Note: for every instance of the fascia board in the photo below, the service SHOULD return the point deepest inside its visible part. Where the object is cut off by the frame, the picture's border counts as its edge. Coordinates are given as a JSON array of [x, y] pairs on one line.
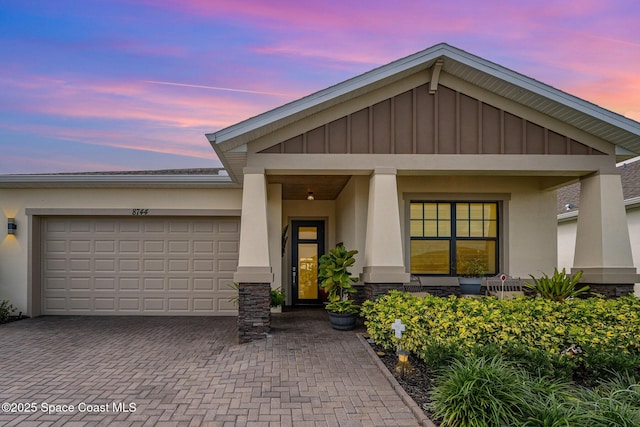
[[79, 180]]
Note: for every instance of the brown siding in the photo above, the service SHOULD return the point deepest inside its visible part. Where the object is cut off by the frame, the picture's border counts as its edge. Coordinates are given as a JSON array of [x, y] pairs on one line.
[[360, 132], [425, 121], [490, 130], [338, 136], [447, 121], [403, 123], [315, 141], [417, 122], [469, 128], [382, 127]]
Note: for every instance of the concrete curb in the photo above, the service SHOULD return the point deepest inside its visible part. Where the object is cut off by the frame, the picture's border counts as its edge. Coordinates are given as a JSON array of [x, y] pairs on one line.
[[415, 409]]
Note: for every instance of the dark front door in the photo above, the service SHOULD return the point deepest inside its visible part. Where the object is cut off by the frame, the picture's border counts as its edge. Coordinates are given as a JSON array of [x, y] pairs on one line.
[[307, 245]]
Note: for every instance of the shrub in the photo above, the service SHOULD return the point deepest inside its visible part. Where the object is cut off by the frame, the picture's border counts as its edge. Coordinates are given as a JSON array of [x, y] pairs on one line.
[[277, 297], [5, 310], [558, 287], [535, 332], [479, 392], [616, 408]]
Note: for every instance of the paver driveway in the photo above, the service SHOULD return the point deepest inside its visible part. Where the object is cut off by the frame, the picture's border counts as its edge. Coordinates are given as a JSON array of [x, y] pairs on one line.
[[191, 371]]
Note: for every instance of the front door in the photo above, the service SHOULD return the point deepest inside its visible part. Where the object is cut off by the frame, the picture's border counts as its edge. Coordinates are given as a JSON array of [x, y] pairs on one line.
[[307, 245]]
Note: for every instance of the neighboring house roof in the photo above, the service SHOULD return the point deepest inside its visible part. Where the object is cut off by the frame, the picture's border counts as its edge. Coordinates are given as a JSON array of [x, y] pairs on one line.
[[166, 178], [569, 196], [230, 143]]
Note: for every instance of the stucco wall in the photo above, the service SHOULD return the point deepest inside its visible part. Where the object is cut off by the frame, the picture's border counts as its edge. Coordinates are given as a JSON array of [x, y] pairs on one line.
[[351, 216], [529, 226], [14, 250]]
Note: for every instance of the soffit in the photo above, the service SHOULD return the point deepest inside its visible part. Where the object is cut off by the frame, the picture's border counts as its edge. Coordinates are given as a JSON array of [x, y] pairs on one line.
[[297, 187]]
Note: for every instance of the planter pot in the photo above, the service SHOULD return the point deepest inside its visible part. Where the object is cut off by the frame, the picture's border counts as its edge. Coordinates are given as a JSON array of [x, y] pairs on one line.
[[470, 285], [342, 321]]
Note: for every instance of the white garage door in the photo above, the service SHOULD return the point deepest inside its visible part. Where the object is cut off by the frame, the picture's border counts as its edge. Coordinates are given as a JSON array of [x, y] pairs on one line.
[[139, 265]]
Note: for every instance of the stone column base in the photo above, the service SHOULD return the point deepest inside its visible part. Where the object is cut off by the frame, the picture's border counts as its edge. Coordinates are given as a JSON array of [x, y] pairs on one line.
[[374, 290], [609, 290], [609, 281], [254, 311]]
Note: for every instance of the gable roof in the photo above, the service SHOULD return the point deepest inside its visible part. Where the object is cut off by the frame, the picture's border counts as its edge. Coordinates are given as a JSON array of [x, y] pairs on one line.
[[588, 117]]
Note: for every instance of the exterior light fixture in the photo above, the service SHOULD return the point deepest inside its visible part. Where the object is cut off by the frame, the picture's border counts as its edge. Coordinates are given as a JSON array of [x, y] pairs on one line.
[[310, 196], [12, 227]]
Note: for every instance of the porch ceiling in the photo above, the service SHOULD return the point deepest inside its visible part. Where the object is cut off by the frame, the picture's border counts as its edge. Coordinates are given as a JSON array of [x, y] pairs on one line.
[[297, 187]]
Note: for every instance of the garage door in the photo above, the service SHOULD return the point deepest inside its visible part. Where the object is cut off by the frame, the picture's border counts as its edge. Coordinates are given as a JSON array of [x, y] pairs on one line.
[[139, 265]]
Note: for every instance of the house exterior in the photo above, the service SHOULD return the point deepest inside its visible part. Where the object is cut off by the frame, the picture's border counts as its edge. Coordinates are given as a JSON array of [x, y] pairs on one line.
[[568, 209], [421, 165]]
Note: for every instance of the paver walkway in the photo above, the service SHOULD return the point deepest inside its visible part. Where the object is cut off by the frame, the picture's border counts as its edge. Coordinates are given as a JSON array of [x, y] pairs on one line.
[[191, 371]]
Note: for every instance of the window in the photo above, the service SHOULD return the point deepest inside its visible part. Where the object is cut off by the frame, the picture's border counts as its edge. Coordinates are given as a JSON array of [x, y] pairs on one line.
[[445, 236]]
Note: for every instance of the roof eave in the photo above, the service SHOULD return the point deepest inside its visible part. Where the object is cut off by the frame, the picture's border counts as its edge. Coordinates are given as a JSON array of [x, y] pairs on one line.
[[119, 181]]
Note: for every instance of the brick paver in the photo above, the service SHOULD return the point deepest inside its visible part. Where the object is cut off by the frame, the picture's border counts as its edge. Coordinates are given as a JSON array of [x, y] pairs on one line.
[[144, 371]]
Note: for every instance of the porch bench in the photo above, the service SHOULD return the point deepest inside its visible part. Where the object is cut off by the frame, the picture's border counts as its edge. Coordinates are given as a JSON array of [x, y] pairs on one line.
[[513, 287], [414, 287], [436, 286]]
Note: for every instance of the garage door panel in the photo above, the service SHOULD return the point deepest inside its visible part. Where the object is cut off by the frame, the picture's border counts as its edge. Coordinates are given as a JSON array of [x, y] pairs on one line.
[[56, 246], [105, 284], [80, 265], [80, 283], [139, 266], [178, 247], [129, 246], [105, 246], [80, 226], [56, 264]]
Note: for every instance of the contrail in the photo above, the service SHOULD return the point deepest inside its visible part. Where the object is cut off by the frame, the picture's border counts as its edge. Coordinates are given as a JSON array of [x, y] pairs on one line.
[[226, 89]]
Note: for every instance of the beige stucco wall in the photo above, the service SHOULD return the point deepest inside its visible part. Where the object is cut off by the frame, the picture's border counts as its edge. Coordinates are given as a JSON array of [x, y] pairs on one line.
[[351, 215], [14, 250], [529, 228]]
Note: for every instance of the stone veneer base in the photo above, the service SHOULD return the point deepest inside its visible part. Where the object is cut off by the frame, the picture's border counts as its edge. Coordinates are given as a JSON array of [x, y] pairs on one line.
[[254, 311]]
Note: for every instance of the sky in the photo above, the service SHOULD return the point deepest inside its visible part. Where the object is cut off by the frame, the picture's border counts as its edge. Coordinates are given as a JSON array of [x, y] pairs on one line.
[[111, 85]]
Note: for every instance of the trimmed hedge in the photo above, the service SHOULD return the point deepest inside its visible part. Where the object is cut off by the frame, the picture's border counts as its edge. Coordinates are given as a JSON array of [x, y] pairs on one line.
[[604, 329]]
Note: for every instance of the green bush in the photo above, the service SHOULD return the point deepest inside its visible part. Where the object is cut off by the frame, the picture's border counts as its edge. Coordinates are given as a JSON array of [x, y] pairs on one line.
[[488, 391], [5, 310], [479, 392], [278, 297], [533, 332]]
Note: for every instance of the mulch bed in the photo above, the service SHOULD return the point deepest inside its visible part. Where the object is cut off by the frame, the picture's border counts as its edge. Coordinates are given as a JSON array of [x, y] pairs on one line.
[[417, 385]]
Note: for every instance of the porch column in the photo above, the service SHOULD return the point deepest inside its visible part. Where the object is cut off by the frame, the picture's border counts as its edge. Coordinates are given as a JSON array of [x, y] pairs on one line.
[[254, 274], [383, 261], [603, 248]]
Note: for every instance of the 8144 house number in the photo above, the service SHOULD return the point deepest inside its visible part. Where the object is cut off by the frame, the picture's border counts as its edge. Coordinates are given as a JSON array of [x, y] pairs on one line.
[[136, 212]]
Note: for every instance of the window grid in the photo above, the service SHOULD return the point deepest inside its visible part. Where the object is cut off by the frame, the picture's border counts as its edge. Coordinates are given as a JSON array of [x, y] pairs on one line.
[[456, 223]]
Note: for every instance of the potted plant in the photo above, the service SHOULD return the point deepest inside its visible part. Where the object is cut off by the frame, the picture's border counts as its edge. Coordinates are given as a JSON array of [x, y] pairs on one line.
[[336, 280], [471, 274], [277, 297]]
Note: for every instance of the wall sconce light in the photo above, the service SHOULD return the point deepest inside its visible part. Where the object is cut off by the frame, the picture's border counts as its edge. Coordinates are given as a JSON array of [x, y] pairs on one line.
[[12, 227], [310, 196]]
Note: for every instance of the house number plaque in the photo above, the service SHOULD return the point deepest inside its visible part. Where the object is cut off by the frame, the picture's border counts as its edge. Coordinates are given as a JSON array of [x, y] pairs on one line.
[[138, 212]]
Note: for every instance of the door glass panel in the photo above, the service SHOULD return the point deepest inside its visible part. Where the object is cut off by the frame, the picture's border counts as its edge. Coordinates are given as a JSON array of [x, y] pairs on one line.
[[308, 270], [308, 233]]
